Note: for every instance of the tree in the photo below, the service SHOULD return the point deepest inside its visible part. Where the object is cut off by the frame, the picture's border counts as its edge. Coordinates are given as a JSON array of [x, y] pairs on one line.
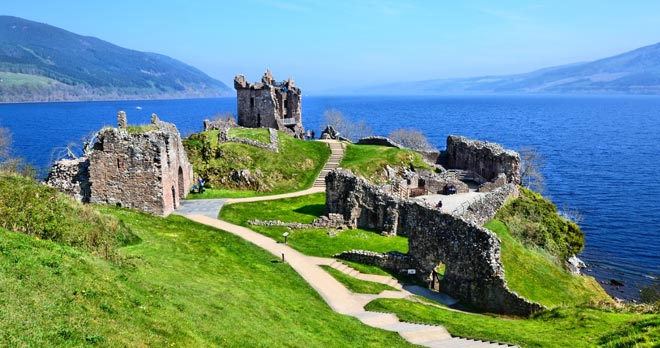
[[411, 138], [5, 144], [531, 165], [346, 128]]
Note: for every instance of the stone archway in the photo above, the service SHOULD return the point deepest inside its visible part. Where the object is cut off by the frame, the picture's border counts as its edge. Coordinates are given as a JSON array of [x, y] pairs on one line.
[[181, 184]]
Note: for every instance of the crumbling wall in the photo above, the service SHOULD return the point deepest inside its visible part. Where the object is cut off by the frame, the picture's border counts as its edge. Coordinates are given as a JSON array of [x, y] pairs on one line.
[[269, 104], [482, 209], [484, 158], [148, 170], [71, 176], [471, 253]]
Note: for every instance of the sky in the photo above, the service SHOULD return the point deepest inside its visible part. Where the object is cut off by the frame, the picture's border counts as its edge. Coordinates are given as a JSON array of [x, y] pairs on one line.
[[328, 45]]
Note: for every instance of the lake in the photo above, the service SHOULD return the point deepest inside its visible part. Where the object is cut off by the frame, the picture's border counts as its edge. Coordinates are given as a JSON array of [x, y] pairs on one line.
[[602, 154]]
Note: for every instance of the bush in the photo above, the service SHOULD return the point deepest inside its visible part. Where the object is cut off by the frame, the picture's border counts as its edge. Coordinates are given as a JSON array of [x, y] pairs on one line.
[[345, 127], [534, 221], [412, 139]]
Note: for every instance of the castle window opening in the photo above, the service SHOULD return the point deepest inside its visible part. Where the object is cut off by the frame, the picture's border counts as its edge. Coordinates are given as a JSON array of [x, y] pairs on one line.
[[173, 198], [251, 102]]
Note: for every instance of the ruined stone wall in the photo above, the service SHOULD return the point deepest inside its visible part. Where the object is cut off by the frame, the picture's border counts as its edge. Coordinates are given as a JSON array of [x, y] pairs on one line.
[[148, 171], [268, 104], [380, 141], [484, 158], [394, 261], [482, 209], [145, 171], [470, 253], [71, 176]]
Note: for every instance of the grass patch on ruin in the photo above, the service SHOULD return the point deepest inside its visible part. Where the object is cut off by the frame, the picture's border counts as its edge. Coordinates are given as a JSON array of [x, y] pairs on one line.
[[185, 285], [239, 170], [140, 128], [314, 242], [536, 275], [370, 161], [557, 328], [357, 285], [258, 134]]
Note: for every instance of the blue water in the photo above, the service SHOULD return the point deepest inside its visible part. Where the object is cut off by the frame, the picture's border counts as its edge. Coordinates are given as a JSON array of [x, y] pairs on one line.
[[602, 153]]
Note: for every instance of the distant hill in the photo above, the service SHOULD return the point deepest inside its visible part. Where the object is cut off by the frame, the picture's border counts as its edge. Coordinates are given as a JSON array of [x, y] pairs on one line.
[[633, 72], [39, 62]]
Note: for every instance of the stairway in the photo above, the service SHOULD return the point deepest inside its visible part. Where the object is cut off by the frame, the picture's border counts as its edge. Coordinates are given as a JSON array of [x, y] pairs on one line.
[[337, 149], [350, 271], [425, 335]]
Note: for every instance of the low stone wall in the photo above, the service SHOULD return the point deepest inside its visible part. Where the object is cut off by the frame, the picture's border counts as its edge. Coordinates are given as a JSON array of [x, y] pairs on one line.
[[219, 124], [380, 141], [394, 261], [330, 221], [274, 146], [484, 208], [470, 253]]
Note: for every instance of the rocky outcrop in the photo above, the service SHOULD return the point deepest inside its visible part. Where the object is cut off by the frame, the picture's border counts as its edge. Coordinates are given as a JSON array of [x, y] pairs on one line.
[[71, 176], [470, 253]]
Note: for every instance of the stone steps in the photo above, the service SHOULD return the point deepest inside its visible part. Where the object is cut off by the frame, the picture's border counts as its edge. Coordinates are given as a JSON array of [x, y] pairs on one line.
[[333, 162], [352, 272]]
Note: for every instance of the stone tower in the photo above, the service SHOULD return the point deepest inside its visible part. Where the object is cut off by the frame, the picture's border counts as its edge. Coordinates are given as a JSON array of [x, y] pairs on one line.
[[269, 104]]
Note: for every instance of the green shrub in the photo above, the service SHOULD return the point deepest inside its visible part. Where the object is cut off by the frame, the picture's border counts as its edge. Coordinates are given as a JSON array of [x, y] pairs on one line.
[[534, 221]]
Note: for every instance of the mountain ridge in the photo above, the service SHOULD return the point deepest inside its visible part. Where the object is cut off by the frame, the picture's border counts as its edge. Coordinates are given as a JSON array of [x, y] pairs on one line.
[[632, 72], [40, 62]]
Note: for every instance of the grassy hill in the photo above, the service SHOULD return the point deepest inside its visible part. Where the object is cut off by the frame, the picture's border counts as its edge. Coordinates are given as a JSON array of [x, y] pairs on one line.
[[39, 62], [293, 168], [370, 161], [177, 284]]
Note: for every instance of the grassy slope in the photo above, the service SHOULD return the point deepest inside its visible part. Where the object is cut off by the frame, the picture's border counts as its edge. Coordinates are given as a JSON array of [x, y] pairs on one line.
[[258, 134], [14, 79], [558, 328], [315, 242], [294, 168], [357, 285], [534, 274], [185, 285], [369, 161]]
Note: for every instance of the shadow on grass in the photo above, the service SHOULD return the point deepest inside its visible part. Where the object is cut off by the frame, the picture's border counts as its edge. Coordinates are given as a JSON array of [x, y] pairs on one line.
[[312, 209]]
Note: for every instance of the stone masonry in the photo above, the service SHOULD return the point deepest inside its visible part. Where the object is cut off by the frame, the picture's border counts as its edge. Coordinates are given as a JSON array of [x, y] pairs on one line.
[[145, 170], [269, 104], [483, 158], [470, 253]]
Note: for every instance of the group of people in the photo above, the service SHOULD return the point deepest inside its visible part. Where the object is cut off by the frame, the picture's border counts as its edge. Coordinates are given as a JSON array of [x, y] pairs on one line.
[[310, 135]]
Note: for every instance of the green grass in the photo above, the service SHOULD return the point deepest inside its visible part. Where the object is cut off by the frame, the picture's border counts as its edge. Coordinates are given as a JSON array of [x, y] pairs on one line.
[[558, 328], [367, 269], [140, 128], [370, 161], [185, 285], [357, 285], [14, 79], [315, 242], [40, 211], [258, 134], [535, 275], [294, 168]]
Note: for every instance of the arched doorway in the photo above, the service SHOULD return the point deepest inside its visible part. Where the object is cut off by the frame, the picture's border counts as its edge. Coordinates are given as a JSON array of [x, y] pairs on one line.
[[182, 188], [436, 277]]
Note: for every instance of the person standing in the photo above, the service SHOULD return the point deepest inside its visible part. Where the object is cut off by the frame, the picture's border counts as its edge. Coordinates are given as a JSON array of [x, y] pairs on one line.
[[313, 135], [201, 184], [309, 135]]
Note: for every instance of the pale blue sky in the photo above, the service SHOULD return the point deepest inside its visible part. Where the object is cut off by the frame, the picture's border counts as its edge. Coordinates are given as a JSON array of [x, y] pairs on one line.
[[326, 45]]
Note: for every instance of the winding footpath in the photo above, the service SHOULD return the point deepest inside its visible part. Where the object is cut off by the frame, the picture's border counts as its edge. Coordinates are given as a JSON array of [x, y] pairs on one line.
[[335, 294]]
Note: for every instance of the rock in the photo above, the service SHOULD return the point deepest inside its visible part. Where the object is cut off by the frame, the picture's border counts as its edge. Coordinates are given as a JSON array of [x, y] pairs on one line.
[[575, 265], [615, 282]]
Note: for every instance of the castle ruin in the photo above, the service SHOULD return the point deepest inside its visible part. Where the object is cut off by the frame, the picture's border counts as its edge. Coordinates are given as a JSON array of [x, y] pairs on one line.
[[145, 169], [269, 104]]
